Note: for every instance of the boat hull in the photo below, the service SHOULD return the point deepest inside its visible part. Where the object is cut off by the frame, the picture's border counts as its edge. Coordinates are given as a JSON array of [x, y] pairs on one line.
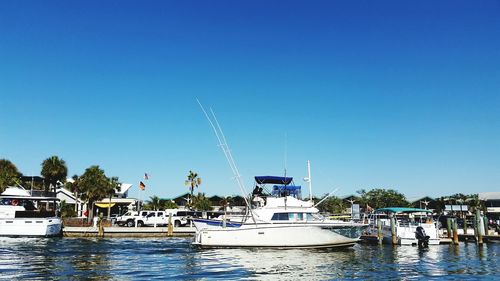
[[406, 234], [32, 227], [278, 236]]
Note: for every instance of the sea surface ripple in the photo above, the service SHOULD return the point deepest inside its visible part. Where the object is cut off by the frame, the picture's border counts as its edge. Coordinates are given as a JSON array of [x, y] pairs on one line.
[[176, 259]]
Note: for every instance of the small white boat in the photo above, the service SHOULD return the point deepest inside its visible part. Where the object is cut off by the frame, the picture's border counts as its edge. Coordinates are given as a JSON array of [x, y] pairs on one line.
[[413, 226], [279, 219], [19, 215]]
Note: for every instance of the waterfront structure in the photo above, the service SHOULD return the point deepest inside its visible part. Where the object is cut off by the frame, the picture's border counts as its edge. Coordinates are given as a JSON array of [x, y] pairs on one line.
[[277, 218], [22, 214], [492, 204]]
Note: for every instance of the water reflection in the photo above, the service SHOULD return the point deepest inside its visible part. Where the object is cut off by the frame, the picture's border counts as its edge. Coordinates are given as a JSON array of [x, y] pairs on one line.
[[176, 259]]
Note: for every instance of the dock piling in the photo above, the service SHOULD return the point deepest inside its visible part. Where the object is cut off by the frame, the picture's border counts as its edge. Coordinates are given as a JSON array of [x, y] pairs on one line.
[[455, 232], [393, 230], [380, 237], [449, 226], [170, 228]]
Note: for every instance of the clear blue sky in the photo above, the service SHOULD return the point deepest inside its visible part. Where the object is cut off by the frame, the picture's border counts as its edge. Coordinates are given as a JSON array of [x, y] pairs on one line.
[[377, 94]]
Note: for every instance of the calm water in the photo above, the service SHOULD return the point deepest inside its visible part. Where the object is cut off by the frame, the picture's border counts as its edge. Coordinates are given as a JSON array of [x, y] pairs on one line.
[[174, 258]]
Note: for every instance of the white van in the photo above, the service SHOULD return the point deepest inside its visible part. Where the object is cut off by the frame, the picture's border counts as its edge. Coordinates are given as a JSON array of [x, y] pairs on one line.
[[160, 218]]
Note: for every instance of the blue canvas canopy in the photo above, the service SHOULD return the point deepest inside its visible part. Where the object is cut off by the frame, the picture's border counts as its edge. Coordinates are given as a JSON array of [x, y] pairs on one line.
[[292, 190], [273, 180], [402, 210]]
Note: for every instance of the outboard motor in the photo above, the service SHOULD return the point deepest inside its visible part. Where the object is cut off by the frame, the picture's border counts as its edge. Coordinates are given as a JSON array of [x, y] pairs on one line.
[[423, 239]]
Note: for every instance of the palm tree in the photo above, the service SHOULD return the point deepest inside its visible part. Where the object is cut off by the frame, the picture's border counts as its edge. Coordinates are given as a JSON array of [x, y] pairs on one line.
[[154, 202], [192, 181], [94, 186], [8, 174], [74, 186], [54, 169], [202, 203], [224, 203], [112, 188]]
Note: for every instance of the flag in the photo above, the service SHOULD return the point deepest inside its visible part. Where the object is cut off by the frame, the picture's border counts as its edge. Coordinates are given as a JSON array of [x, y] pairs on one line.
[[146, 176], [142, 186]]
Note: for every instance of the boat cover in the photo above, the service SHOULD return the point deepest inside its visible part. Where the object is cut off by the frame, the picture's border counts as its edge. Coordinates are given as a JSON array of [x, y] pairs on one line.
[[402, 210], [292, 190], [273, 180]]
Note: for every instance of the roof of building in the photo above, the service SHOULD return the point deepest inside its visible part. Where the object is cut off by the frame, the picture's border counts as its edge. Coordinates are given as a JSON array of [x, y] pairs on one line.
[[489, 195]]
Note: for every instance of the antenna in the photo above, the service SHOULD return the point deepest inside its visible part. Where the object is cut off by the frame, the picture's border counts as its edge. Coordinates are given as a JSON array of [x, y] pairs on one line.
[[286, 150], [308, 179], [225, 149]]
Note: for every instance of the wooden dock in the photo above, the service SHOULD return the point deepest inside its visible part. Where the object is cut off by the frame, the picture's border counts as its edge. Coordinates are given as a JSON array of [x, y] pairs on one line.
[[72, 231]]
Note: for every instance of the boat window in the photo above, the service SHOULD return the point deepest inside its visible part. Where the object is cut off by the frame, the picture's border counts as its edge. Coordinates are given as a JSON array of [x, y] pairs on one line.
[[160, 214], [300, 216], [309, 217], [280, 217]]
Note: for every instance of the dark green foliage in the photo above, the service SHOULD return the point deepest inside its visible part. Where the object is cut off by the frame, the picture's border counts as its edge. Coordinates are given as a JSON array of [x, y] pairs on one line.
[[192, 182], [382, 198], [9, 174], [201, 203], [333, 205], [67, 211], [54, 170]]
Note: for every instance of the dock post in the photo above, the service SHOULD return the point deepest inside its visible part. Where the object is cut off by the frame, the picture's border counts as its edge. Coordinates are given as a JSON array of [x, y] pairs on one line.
[[449, 227], [480, 227], [485, 220], [170, 228], [465, 225], [380, 237], [393, 230], [455, 232]]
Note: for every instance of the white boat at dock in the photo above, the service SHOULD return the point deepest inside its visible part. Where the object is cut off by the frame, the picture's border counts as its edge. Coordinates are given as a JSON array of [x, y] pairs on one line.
[[278, 219], [19, 215], [412, 226]]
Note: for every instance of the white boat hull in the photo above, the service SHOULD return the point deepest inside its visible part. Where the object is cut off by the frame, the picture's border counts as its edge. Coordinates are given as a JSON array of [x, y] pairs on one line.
[[278, 236], [406, 234], [44, 227]]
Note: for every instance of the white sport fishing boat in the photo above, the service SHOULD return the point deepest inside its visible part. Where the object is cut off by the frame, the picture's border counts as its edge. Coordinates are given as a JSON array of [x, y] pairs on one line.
[[277, 219], [19, 215]]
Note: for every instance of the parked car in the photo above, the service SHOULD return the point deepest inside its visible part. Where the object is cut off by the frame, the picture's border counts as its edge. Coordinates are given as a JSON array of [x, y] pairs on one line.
[[130, 218]]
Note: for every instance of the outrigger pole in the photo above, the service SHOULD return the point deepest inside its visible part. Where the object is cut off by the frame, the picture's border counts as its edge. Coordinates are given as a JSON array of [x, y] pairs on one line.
[[227, 152]]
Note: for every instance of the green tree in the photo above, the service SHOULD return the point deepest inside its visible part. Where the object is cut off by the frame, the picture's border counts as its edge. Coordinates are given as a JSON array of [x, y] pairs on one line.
[[54, 170], [382, 198], [154, 203], [167, 204], [94, 186], [225, 202], [202, 203], [66, 210], [74, 186], [332, 205], [112, 188], [8, 174], [192, 182]]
